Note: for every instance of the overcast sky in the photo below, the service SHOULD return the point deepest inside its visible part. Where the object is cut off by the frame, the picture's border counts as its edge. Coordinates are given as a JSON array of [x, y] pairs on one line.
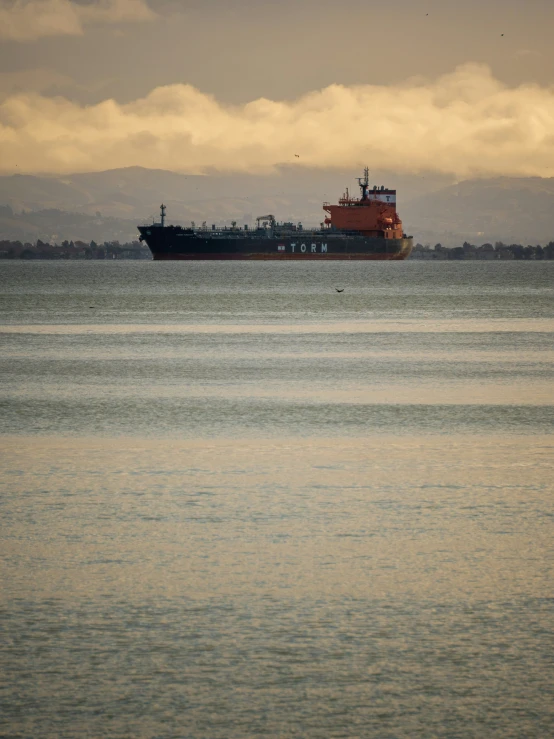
[[462, 87]]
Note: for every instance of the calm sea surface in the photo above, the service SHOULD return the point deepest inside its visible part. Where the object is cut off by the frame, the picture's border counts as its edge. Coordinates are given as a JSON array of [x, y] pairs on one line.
[[236, 503]]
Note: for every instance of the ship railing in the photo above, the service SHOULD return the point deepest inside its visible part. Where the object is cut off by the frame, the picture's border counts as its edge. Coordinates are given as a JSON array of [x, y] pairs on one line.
[[348, 201]]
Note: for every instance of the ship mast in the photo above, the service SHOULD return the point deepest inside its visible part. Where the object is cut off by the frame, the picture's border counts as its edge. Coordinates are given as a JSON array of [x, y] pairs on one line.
[[162, 215], [364, 183]]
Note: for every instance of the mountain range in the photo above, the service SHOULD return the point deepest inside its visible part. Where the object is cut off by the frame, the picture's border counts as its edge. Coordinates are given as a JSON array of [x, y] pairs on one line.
[[106, 206]]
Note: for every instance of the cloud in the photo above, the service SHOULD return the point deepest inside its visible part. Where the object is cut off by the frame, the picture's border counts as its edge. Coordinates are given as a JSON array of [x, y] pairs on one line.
[[528, 53], [28, 20], [465, 123], [37, 80]]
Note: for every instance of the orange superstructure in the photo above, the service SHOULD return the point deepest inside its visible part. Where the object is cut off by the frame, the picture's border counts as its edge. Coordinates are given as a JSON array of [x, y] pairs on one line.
[[373, 215]]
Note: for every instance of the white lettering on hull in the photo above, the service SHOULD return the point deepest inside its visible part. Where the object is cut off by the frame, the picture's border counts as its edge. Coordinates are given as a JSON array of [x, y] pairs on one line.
[[303, 248]]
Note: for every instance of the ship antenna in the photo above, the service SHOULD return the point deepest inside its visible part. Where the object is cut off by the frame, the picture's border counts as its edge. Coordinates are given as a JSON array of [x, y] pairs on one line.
[[364, 183], [162, 214]]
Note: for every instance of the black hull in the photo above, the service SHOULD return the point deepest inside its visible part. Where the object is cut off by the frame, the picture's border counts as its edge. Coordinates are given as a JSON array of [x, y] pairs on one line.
[[175, 243]]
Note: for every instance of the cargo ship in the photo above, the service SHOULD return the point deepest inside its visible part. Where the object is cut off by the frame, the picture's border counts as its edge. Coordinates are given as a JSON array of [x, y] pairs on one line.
[[367, 227]]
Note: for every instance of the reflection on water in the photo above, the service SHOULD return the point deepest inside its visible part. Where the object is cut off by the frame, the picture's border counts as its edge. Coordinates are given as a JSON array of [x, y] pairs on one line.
[[233, 506]]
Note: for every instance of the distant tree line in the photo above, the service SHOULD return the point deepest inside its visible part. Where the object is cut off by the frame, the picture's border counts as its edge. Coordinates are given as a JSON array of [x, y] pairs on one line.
[[485, 251], [73, 250]]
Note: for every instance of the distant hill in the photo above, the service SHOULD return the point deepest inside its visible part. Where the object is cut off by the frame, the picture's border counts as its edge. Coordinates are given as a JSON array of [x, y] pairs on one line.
[[107, 206], [513, 210], [54, 226], [133, 195]]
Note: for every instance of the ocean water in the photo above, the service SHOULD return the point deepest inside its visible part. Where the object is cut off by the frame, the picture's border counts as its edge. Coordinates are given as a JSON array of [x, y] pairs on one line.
[[236, 503]]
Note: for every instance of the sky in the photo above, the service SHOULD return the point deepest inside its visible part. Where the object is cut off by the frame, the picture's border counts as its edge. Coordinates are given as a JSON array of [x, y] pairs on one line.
[[460, 88]]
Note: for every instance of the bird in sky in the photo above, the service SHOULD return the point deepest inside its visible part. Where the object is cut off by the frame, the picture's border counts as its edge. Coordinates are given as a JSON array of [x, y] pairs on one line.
[[341, 289], [297, 155]]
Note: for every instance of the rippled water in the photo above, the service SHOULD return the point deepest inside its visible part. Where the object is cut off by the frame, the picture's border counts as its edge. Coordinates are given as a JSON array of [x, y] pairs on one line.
[[236, 503]]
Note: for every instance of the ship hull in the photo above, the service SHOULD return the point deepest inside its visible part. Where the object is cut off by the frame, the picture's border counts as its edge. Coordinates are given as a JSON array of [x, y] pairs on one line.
[[268, 257], [174, 243]]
